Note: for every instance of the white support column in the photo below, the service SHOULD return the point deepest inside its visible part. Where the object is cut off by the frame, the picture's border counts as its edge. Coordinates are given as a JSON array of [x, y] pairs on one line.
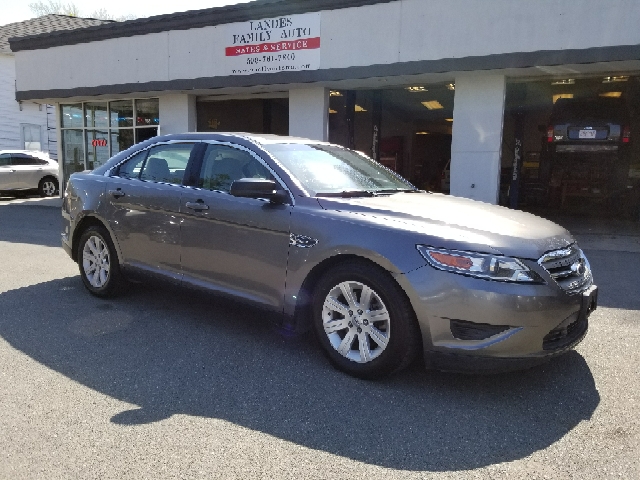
[[309, 113], [177, 113], [477, 137]]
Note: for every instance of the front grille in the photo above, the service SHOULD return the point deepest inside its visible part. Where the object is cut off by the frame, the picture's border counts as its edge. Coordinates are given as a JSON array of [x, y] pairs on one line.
[[562, 337], [569, 268]]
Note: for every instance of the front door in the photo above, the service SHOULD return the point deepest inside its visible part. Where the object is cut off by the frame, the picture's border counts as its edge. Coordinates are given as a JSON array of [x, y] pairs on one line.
[[143, 205], [234, 245]]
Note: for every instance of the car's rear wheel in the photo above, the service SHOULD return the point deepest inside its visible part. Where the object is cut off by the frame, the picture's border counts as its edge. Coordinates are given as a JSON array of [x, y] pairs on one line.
[[48, 187], [364, 320], [98, 262]]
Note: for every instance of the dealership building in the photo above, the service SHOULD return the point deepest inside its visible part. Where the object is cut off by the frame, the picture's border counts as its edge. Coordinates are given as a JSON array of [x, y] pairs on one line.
[[439, 89]]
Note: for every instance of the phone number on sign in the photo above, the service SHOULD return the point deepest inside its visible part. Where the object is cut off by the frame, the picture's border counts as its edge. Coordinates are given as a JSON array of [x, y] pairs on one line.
[[271, 58]]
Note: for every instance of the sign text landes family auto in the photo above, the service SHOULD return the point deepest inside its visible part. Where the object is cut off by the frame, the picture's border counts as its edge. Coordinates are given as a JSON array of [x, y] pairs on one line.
[[290, 43]]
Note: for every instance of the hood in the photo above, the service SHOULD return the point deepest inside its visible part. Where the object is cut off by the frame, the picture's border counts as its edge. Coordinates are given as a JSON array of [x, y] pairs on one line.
[[458, 223]]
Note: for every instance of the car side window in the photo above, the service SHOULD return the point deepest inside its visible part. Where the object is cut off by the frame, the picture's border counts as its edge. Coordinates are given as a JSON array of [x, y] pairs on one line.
[[222, 165], [23, 160], [167, 163], [5, 160], [163, 163], [131, 168]]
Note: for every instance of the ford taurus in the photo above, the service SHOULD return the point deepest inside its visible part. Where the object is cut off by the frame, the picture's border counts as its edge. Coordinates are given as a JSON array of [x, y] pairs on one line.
[[333, 241]]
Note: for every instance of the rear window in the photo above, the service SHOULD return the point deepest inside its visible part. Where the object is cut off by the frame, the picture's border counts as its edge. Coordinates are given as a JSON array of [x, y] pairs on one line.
[[610, 109]]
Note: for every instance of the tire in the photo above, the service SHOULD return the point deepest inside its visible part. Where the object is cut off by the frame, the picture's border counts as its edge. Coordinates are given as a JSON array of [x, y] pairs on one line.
[[98, 263], [371, 335], [48, 187]]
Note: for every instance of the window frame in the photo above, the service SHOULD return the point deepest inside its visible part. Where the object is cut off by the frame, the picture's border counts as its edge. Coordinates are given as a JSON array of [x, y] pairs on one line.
[[193, 156]]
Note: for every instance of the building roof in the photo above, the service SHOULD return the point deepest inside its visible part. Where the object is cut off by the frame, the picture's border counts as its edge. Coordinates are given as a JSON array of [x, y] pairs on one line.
[[241, 12], [43, 25]]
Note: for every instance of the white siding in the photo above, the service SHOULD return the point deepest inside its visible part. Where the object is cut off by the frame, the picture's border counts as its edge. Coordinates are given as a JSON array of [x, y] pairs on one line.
[[11, 116]]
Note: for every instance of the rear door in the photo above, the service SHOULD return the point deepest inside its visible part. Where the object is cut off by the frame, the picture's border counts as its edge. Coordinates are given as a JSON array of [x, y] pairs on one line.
[[143, 204], [29, 170], [234, 245], [7, 172]]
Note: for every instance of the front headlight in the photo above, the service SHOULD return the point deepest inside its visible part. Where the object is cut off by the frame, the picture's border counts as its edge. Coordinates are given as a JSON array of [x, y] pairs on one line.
[[479, 265]]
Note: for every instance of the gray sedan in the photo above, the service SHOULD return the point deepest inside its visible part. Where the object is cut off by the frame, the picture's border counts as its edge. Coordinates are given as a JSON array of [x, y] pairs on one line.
[[333, 241]]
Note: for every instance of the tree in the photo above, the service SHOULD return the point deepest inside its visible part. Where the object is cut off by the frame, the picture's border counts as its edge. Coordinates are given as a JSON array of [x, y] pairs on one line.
[[52, 7], [40, 8]]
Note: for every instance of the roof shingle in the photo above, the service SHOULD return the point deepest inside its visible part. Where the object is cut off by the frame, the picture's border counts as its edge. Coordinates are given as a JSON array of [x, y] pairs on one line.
[[44, 24]]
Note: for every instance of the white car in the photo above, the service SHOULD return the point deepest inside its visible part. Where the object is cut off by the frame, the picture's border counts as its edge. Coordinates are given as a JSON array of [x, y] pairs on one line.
[[23, 170]]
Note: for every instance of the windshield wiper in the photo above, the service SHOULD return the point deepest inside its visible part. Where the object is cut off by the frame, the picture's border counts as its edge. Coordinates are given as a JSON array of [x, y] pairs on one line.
[[399, 190], [348, 194]]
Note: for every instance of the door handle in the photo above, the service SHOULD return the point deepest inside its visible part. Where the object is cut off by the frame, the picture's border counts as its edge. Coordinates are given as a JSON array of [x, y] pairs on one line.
[[199, 205], [116, 193]]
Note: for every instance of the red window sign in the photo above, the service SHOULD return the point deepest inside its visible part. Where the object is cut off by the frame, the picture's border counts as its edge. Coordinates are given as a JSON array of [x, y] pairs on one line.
[[99, 142]]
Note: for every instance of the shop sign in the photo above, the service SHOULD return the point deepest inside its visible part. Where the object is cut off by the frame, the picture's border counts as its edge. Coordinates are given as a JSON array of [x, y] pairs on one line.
[[290, 43], [99, 142]]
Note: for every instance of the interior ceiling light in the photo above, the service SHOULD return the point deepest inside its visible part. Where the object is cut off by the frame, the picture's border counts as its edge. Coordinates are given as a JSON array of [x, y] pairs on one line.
[[335, 93], [331, 110], [422, 133], [451, 86], [562, 95], [433, 105], [417, 89], [360, 109], [611, 94], [567, 81], [449, 119], [615, 79]]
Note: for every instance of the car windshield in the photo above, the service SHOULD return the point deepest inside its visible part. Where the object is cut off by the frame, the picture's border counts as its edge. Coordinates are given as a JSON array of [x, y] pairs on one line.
[[329, 170]]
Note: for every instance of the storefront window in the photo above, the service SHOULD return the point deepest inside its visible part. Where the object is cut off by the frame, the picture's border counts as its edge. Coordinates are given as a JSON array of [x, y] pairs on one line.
[[95, 115], [143, 134], [94, 131], [147, 113], [73, 151], [71, 116], [121, 140], [97, 148], [121, 113]]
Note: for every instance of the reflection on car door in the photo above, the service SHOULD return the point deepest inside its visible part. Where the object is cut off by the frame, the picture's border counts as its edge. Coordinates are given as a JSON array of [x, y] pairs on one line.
[[7, 173], [143, 201], [28, 170], [234, 245]]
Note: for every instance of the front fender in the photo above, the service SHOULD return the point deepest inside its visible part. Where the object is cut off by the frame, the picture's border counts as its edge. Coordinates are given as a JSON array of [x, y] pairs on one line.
[[337, 234]]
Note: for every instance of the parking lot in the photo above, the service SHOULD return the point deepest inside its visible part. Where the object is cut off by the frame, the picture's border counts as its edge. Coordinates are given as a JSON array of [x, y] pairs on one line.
[[170, 383]]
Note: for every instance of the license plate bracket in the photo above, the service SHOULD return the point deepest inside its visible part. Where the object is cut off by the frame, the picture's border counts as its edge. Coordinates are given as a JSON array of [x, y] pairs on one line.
[[587, 134]]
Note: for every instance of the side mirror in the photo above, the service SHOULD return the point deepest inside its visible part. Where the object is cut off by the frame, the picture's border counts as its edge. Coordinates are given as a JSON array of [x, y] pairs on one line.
[[259, 188]]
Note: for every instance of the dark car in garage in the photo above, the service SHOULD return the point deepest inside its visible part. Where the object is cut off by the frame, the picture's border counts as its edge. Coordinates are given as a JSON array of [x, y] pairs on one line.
[[587, 153]]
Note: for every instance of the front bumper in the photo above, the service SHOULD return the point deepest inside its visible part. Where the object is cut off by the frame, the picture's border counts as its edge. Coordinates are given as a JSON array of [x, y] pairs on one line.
[[537, 322]]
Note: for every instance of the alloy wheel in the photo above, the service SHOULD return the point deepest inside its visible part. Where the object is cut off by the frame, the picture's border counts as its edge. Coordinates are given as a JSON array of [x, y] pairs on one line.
[[356, 321], [49, 188], [96, 261]]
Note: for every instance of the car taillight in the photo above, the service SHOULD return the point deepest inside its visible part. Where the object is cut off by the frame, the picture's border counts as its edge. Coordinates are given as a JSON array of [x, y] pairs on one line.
[[626, 134], [550, 134]]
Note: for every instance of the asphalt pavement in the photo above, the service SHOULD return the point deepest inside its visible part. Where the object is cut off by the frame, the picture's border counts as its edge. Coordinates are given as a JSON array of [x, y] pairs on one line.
[[170, 383]]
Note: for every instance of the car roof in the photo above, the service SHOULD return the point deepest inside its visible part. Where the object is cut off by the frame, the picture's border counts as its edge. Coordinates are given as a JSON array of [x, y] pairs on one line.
[[260, 138], [33, 153]]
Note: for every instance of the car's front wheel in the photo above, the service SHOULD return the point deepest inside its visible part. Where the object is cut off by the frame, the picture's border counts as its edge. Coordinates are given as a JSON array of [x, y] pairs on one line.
[[98, 262], [48, 187], [364, 321]]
